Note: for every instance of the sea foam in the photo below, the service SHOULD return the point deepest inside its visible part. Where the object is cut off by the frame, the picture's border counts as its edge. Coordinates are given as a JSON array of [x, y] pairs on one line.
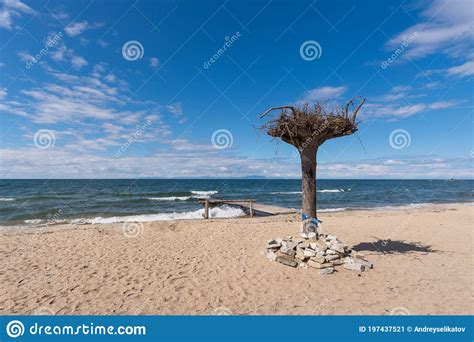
[[217, 212]]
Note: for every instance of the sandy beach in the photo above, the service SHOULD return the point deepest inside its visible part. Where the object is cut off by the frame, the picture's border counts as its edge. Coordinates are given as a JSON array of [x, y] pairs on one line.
[[422, 265]]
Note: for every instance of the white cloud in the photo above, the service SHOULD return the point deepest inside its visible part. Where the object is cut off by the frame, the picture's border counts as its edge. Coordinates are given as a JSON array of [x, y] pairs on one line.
[[10, 9], [466, 69], [111, 78], [78, 62], [5, 19], [403, 111], [323, 93], [77, 28], [18, 5], [177, 110], [102, 43], [60, 15], [112, 128], [446, 27], [63, 53], [73, 162], [24, 56], [3, 93]]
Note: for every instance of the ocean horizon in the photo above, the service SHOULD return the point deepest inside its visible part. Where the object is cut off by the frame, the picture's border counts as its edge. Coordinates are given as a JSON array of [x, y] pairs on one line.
[[32, 202]]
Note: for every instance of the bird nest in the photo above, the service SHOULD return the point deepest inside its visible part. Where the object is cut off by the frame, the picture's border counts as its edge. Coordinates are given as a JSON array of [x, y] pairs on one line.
[[311, 125]]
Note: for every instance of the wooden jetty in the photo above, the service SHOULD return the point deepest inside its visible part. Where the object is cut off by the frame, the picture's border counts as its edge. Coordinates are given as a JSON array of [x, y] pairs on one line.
[[248, 206]]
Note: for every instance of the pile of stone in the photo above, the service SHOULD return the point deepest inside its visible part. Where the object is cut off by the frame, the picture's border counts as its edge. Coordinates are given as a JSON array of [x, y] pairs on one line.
[[323, 252]]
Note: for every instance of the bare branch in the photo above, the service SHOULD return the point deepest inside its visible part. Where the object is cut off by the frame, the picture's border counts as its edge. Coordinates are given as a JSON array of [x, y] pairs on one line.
[[275, 108], [354, 114]]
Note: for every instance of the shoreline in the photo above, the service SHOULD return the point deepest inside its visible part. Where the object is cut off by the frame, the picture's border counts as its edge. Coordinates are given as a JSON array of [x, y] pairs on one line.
[[422, 262], [412, 206]]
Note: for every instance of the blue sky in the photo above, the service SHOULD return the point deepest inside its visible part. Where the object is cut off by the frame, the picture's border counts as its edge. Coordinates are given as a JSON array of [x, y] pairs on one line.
[[75, 102]]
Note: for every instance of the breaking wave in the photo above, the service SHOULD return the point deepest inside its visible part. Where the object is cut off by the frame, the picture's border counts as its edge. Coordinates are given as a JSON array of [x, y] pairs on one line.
[[6, 199], [171, 198], [299, 192], [217, 212], [204, 193], [285, 192]]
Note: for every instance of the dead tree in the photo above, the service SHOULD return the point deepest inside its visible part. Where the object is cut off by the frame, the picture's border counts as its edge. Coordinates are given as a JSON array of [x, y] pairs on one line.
[[307, 127]]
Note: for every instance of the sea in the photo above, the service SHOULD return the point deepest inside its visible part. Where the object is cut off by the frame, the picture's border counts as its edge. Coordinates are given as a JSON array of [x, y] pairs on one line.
[[39, 202]]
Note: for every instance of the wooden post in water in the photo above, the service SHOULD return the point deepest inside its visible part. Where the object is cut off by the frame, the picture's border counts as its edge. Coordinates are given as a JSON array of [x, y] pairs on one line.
[[251, 209], [206, 210]]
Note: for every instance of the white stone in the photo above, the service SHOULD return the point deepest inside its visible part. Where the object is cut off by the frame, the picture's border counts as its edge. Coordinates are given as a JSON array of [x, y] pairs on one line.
[[320, 254], [348, 260], [288, 251], [328, 270], [319, 259], [271, 256], [355, 266], [332, 257], [308, 252], [366, 263], [337, 246]]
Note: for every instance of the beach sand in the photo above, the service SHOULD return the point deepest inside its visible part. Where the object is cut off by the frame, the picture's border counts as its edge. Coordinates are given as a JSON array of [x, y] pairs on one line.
[[216, 267]]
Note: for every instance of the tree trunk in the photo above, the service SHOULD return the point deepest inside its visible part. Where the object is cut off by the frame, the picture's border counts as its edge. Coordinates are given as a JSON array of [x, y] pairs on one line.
[[308, 179]]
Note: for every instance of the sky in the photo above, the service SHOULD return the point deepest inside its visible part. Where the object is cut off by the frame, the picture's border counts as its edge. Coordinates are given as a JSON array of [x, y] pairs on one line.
[[128, 89]]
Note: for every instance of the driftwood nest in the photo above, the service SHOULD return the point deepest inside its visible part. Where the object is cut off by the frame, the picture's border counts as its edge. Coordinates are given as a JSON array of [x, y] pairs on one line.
[[311, 125]]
